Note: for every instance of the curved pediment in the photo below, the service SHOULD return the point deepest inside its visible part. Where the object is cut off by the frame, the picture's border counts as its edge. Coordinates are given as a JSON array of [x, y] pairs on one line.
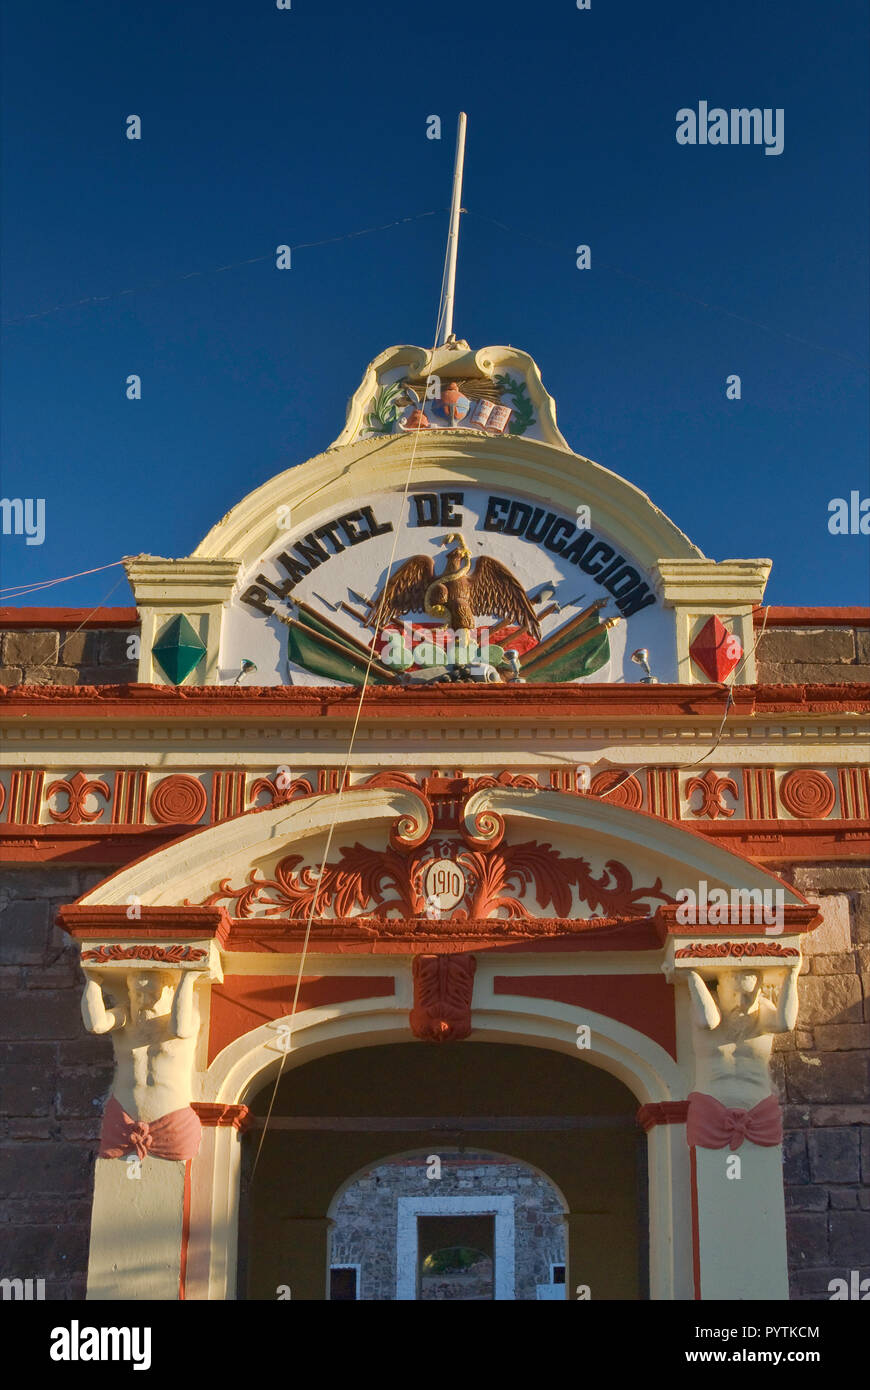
[[294, 500], [505, 853]]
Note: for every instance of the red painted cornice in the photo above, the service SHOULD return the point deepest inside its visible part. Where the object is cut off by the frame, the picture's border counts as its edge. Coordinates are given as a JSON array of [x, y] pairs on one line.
[[357, 935], [797, 918], [811, 617], [447, 703], [96, 921], [217, 1114], [767, 842], [14, 619], [776, 616], [662, 1112]]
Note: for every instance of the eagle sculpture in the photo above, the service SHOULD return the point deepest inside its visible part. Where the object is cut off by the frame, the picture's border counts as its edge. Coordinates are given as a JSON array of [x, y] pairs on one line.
[[486, 586]]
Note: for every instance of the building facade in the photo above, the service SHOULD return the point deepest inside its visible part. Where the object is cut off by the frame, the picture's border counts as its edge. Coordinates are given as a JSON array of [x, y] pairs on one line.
[[446, 790]]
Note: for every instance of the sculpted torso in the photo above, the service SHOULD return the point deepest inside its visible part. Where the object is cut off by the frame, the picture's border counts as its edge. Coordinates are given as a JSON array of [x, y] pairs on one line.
[[733, 1035], [154, 1038]]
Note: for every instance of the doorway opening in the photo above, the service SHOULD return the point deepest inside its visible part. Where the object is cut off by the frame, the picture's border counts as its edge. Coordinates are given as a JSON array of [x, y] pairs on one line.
[[531, 1160]]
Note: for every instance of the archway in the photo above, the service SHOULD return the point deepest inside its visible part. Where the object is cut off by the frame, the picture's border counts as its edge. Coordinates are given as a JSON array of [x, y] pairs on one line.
[[343, 1115]]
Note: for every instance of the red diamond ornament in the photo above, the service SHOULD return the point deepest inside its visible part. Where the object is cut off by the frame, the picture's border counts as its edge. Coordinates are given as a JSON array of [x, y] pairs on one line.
[[716, 650]]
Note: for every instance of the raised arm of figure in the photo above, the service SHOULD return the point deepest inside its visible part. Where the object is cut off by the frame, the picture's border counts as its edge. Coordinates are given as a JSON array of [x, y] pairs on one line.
[[184, 1020], [704, 1007], [97, 1018], [787, 1003]]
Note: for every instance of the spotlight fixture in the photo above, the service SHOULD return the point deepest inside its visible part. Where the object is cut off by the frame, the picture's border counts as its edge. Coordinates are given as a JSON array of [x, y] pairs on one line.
[[247, 665], [641, 658]]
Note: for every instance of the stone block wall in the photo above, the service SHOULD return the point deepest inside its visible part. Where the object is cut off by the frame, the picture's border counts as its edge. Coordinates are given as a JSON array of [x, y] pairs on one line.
[[46, 656], [812, 655], [823, 1073], [54, 1079]]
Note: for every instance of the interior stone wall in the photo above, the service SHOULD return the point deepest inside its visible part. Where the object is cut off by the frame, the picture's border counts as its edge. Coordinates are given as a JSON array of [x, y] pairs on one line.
[[366, 1215]]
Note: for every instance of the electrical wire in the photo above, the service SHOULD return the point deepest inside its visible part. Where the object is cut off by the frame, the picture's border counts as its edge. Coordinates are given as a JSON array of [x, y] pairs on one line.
[[20, 590], [213, 270], [681, 294]]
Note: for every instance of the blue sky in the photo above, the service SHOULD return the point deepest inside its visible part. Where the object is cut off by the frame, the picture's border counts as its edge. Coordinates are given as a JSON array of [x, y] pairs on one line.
[[263, 127]]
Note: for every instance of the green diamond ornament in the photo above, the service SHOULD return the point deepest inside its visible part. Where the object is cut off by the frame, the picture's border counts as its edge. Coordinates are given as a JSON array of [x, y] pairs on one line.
[[178, 649]]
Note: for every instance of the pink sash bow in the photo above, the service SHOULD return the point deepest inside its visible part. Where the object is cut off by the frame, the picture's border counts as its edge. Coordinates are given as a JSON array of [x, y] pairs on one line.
[[712, 1125], [172, 1136]]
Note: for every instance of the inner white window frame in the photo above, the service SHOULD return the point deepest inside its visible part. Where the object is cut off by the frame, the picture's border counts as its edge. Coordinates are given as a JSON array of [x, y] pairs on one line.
[[409, 1208]]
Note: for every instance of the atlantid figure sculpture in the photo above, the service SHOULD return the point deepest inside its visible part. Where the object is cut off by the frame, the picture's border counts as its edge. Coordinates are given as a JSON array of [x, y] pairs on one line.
[[154, 1036], [733, 1036]]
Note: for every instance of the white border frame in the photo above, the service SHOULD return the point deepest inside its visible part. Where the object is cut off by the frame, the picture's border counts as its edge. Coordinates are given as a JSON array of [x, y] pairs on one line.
[[409, 1208]]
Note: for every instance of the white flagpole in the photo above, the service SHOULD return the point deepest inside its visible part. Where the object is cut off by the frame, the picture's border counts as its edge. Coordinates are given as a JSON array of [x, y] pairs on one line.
[[453, 235]]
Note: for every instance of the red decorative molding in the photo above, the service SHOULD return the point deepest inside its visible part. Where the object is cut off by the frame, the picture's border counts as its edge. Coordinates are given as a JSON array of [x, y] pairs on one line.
[[451, 704], [495, 879], [443, 987], [415, 935], [712, 787], [18, 619], [759, 793], [185, 1233], [392, 778], [168, 955], [515, 779], [329, 779], [628, 791], [91, 921], [807, 794], [178, 800], [12, 619], [718, 949], [563, 779], [797, 919], [77, 789], [663, 792], [811, 617], [128, 802], [269, 786], [854, 793], [662, 1112], [227, 795], [213, 1114], [25, 798], [775, 843]]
